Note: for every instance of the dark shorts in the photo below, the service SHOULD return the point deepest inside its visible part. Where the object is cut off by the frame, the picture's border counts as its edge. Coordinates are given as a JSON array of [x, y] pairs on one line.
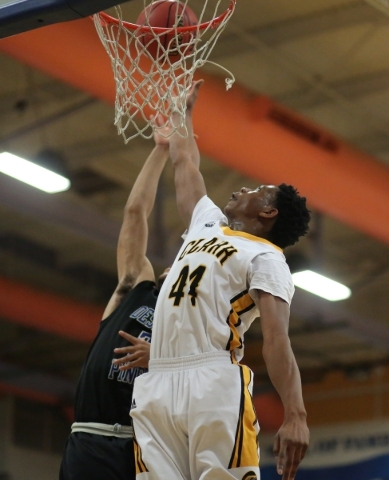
[[97, 457]]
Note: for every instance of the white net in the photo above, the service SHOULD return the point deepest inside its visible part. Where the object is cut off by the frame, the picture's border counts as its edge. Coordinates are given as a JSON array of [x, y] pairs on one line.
[[154, 67]]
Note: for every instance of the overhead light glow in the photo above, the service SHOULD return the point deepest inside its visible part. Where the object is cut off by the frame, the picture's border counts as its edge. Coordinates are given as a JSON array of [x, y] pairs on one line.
[[33, 174], [382, 5], [321, 286]]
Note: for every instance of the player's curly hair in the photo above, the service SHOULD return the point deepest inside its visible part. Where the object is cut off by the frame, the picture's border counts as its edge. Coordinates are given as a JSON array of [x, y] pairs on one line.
[[292, 219]]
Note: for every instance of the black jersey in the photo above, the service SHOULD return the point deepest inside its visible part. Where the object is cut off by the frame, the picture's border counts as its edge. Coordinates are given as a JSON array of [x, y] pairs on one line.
[[104, 392]]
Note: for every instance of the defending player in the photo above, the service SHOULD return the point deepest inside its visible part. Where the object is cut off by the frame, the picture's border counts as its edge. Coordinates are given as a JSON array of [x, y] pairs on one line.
[[100, 446], [193, 413]]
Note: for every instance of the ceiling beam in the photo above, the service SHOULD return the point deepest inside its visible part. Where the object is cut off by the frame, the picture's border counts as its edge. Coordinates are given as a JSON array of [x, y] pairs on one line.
[[45, 121], [355, 13], [35, 96], [351, 89], [297, 28], [59, 210], [322, 21]]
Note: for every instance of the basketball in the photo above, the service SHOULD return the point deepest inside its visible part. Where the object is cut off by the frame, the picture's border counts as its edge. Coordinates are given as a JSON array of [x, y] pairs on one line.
[[167, 13]]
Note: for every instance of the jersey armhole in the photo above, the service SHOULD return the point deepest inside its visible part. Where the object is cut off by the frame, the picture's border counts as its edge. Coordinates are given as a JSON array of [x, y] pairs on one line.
[[139, 286]]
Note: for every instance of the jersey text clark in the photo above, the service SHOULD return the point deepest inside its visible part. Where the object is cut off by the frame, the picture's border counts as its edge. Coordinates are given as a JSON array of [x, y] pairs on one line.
[[220, 248]]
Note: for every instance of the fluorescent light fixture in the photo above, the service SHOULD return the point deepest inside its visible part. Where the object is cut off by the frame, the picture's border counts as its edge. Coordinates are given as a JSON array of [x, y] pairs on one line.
[[33, 174], [321, 286]]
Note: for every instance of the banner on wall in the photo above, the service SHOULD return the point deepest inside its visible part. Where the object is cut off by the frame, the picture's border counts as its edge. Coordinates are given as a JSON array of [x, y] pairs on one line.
[[342, 452]]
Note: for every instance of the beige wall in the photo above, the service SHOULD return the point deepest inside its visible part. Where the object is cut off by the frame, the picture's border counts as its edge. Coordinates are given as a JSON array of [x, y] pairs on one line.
[[26, 464], [22, 463]]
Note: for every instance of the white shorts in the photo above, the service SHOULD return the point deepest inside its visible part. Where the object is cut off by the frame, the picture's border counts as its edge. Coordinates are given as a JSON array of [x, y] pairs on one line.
[[194, 419]]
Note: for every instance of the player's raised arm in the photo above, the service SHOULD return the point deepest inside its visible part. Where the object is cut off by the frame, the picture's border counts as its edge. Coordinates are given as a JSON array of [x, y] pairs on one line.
[[132, 263], [185, 157], [292, 439]]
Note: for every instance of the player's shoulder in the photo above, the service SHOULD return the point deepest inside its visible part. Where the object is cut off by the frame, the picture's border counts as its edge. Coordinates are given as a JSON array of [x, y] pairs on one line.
[[269, 250], [268, 256], [267, 253], [252, 242]]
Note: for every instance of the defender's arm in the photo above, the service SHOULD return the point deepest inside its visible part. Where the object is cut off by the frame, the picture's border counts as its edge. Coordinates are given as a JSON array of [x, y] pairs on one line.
[[132, 263]]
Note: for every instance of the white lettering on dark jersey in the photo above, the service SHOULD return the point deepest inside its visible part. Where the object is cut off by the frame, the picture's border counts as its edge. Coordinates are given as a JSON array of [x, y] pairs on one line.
[[220, 248], [144, 315], [128, 376], [146, 336], [125, 376]]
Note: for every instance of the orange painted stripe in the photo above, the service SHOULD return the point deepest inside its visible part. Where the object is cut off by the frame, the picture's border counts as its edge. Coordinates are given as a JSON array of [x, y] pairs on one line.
[[48, 312], [36, 396]]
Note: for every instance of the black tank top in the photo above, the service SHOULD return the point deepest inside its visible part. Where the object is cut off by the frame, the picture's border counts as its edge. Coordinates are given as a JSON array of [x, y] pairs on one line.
[[104, 392]]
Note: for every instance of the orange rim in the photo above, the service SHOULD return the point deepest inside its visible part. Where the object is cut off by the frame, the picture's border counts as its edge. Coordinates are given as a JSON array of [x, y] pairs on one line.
[[145, 28]]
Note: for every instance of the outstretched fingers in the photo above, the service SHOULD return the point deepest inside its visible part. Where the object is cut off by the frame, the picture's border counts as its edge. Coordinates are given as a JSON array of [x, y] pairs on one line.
[[135, 355], [130, 338], [128, 356], [276, 453]]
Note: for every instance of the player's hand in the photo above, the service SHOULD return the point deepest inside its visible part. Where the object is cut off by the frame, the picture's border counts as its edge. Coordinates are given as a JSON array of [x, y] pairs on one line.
[[192, 94], [162, 131], [136, 355], [290, 446]]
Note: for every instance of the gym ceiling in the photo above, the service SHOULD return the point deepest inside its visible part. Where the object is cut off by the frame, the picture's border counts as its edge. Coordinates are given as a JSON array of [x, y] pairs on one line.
[[310, 107]]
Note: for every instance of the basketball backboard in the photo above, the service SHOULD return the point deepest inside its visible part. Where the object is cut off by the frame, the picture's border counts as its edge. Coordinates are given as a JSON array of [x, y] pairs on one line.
[[17, 16]]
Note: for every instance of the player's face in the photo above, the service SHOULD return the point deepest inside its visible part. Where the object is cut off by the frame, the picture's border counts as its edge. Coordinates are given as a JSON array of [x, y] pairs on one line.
[[249, 202], [162, 277]]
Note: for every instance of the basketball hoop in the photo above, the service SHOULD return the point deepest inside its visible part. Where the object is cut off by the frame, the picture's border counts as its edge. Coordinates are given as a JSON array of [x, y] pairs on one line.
[[154, 66]]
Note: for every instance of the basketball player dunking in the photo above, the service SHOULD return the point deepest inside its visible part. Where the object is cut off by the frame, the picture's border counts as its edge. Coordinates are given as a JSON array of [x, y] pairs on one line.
[[192, 412], [100, 446]]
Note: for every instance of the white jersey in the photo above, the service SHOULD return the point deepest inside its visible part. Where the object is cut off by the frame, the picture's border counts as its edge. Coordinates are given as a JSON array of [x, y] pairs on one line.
[[205, 303]]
